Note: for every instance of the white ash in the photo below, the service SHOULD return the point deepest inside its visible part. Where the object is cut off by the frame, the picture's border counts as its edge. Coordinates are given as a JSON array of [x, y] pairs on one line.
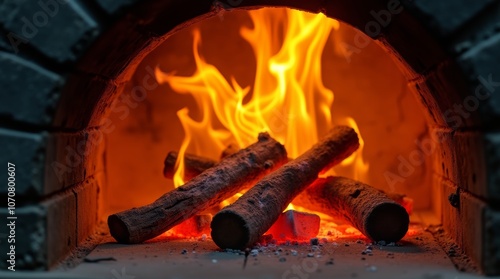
[[367, 252], [254, 252]]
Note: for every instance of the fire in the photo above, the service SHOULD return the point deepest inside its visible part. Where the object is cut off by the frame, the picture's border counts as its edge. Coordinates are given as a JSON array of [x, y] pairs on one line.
[[287, 98]]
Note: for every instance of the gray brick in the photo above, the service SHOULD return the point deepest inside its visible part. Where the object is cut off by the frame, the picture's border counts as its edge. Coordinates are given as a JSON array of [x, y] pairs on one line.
[[446, 17], [27, 152], [47, 163], [31, 247], [60, 30], [45, 233], [29, 92], [480, 65]]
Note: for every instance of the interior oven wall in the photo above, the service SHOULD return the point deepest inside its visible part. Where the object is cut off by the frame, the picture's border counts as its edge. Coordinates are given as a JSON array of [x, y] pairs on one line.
[[59, 79]]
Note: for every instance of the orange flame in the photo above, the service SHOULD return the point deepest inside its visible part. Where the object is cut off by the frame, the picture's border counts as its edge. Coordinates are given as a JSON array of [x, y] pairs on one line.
[[287, 99]]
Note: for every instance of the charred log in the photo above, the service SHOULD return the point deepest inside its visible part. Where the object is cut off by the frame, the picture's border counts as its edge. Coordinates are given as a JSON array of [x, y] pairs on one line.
[[368, 209], [241, 224], [204, 191]]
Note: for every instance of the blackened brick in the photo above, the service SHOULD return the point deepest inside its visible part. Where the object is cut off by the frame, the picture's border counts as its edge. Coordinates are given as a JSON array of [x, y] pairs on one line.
[[60, 30], [29, 92]]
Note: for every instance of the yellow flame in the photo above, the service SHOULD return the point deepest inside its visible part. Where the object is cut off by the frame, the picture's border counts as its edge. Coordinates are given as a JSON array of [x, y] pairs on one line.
[[359, 166], [287, 99]]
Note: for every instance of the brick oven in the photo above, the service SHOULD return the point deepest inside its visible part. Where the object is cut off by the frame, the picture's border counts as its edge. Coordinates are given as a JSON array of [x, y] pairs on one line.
[[86, 121]]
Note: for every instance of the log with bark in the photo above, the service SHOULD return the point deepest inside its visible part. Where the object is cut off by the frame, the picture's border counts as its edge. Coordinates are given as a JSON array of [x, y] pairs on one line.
[[193, 164], [214, 185], [197, 164], [368, 209], [316, 200], [241, 224]]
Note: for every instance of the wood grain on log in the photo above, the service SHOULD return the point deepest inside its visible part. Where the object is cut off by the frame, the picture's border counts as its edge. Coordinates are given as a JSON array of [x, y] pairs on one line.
[[368, 209], [214, 185], [240, 224]]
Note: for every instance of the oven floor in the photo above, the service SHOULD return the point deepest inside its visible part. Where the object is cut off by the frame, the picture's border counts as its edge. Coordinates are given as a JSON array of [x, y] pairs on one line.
[[418, 256]]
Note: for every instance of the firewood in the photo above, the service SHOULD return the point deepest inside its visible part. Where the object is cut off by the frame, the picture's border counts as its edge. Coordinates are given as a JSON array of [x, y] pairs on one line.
[[197, 164], [240, 224], [193, 165], [368, 209], [202, 192]]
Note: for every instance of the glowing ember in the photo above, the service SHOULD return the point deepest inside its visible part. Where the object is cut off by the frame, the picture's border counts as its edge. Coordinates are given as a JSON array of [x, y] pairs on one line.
[[295, 225], [194, 226]]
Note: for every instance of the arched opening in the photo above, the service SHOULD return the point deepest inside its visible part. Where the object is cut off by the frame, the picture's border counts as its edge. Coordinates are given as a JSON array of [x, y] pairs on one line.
[[77, 152], [131, 121], [366, 87]]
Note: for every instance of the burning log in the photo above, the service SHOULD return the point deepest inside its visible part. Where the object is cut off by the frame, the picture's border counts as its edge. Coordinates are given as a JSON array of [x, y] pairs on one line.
[[202, 192], [240, 224], [368, 209], [193, 165], [197, 164]]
